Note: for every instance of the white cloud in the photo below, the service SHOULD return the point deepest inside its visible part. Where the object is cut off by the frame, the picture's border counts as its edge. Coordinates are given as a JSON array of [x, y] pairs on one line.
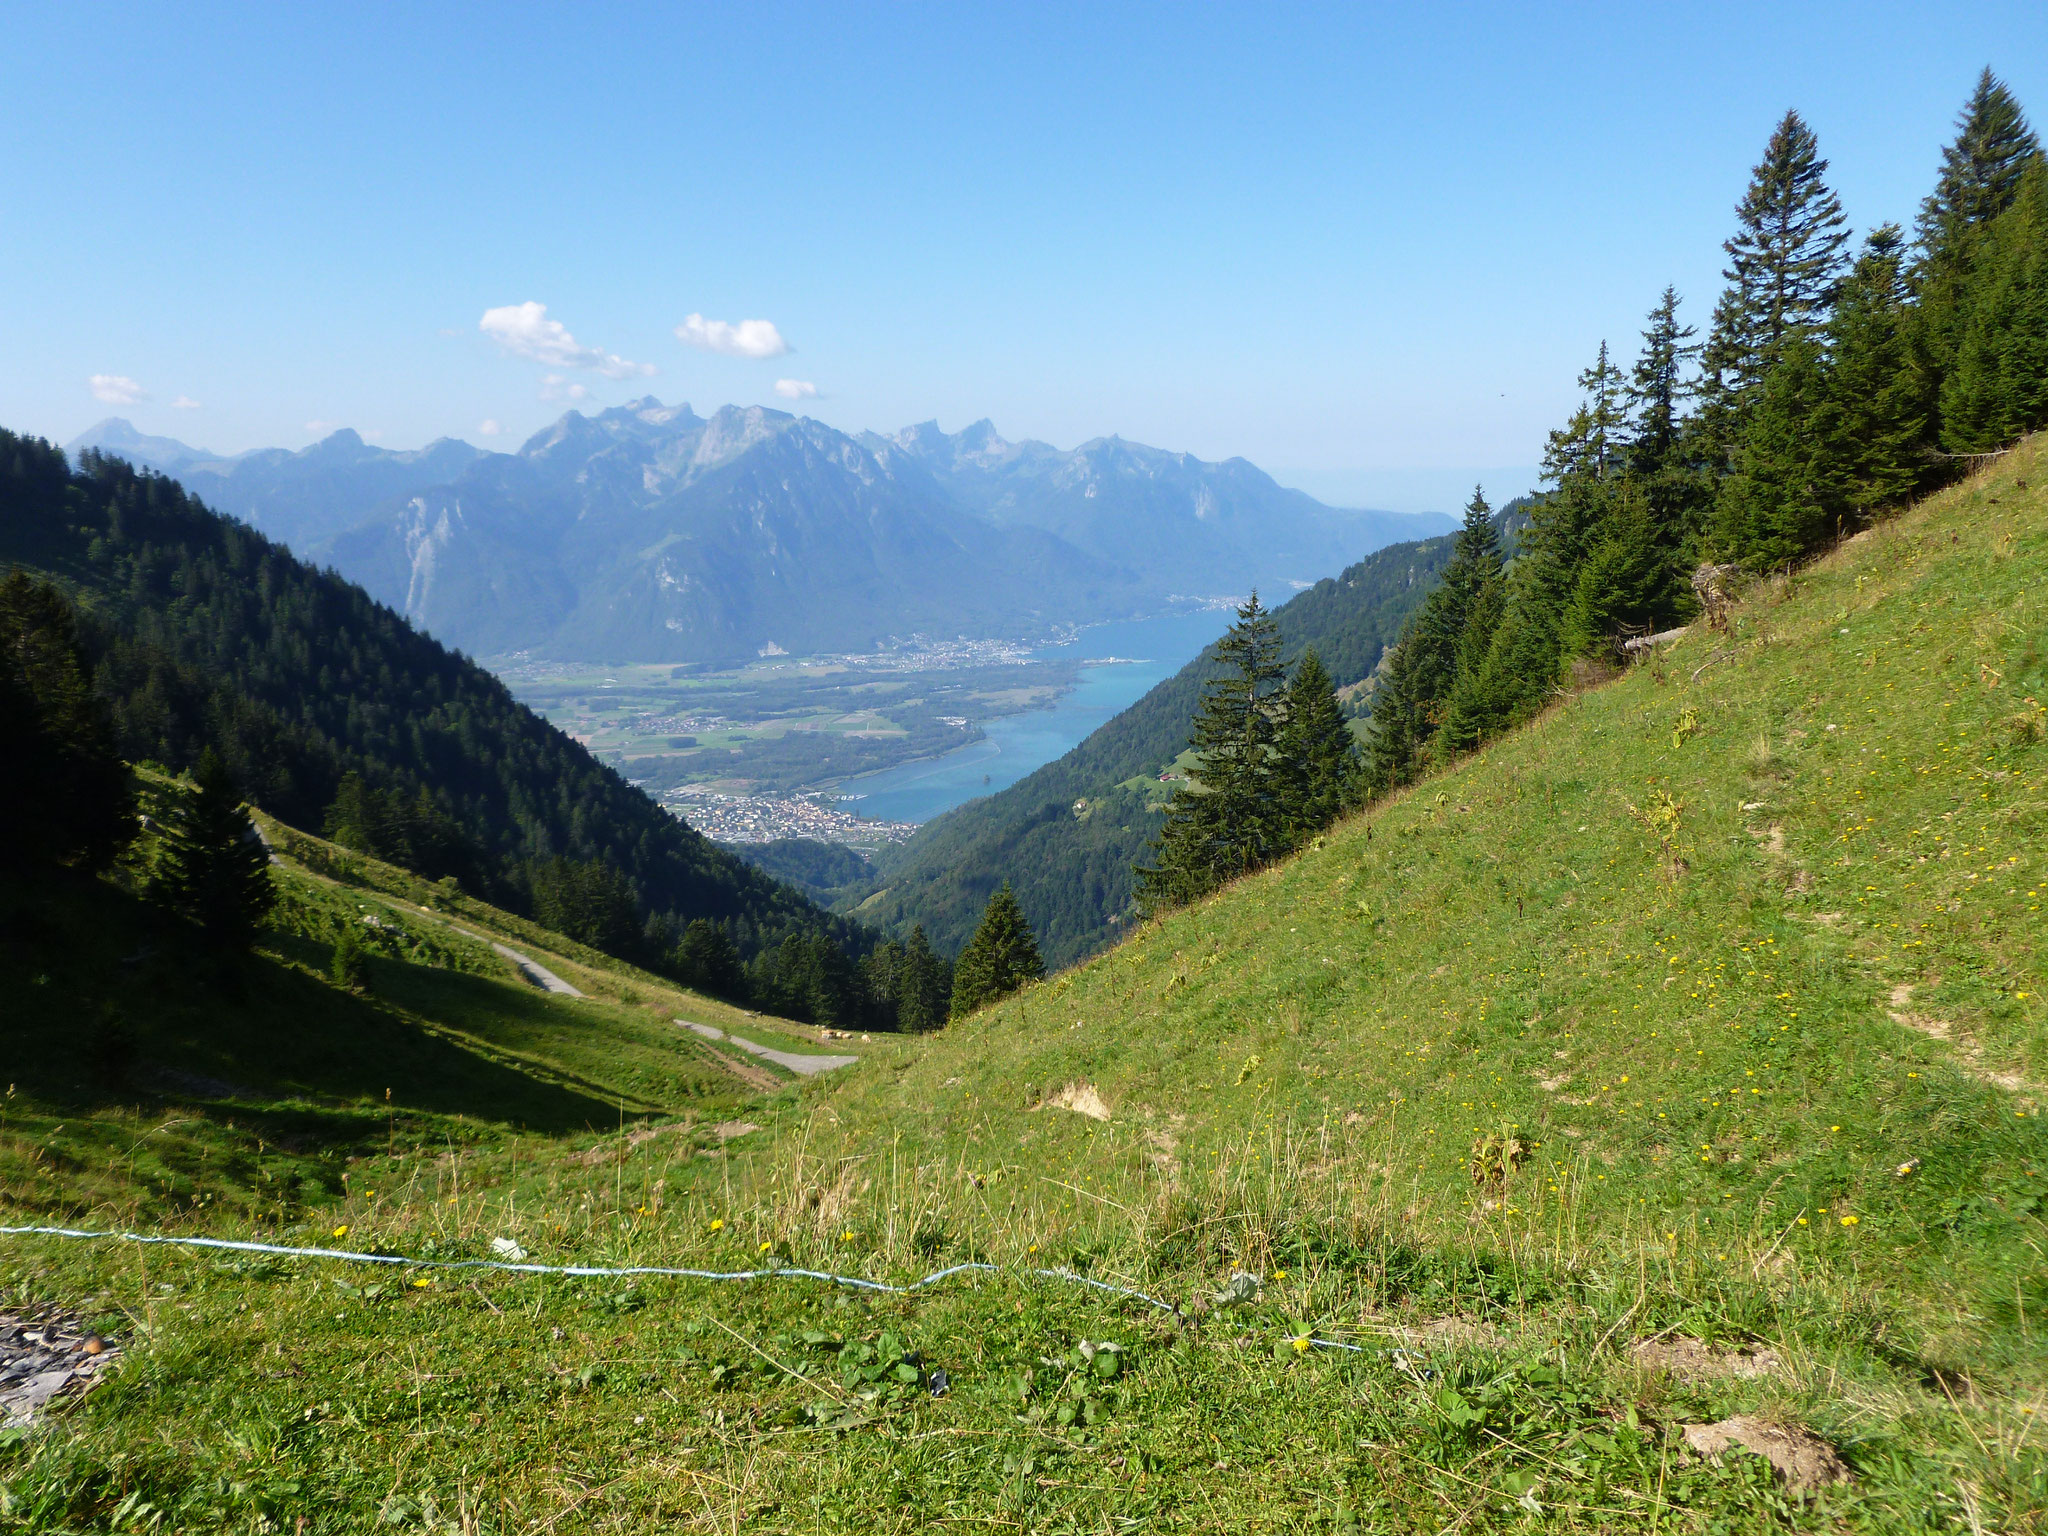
[[555, 387], [525, 331], [321, 428], [488, 427], [184, 403], [750, 338], [796, 389], [116, 389]]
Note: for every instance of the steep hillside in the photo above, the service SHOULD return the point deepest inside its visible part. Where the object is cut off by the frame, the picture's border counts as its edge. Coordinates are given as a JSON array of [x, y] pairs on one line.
[[1668, 1073], [1067, 835], [205, 631]]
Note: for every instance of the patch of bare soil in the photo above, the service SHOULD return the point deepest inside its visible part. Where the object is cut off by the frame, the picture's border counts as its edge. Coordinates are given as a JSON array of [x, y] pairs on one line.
[[1969, 1054], [1689, 1360], [754, 1077], [1804, 1461], [1081, 1098], [43, 1355]]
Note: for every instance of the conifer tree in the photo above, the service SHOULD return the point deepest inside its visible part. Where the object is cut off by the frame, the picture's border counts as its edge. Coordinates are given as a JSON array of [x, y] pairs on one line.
[[1396, 729], [1998, 388], [1442, 622], [1625, 581], [1879, 404], [1469, 711], [1579, 460], [1226, 820], [214, 868], [1411, 703], [1662, 456], [707, 959], [1788, 490], [1658, 388], [1520, 667], [1317, 775], [65, 795], [1980, 172], [922, 986], [1001, 957], [1783, 263]]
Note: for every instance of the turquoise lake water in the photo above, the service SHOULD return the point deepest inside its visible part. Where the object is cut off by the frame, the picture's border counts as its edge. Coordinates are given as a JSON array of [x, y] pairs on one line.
[[1150, 650]]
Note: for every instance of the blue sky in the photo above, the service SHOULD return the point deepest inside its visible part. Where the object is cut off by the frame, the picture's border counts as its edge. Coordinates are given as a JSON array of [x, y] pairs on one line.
[[1367, 247]]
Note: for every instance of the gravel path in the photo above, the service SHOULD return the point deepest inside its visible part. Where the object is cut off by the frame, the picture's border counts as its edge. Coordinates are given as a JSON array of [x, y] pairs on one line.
[[529, 967], [803, 1066]]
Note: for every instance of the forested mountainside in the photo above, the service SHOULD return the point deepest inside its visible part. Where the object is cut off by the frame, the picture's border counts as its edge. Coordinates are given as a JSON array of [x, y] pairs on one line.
[[204, 632], [647, 532], [1067, 835]]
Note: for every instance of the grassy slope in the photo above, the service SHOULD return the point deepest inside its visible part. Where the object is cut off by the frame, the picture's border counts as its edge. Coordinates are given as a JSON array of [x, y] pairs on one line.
[[1706, 1058], [140, 1089]]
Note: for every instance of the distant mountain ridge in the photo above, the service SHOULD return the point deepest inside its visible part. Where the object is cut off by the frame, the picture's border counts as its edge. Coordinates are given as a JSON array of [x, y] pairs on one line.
[[648, 533], [1110, 497]]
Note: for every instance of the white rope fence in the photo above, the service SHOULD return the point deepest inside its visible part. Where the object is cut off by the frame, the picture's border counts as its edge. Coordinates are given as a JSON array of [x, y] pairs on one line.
[[609, 1272]]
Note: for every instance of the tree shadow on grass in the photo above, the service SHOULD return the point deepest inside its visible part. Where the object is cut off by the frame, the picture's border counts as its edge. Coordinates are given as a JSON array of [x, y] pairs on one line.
[[110, 1005]]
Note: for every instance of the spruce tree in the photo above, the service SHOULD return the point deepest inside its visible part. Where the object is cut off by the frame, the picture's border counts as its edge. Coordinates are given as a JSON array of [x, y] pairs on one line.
[[1395, 730], [1662, 439], [1980, 172], [1998, 388], [1879, 405], [1001, 957], [1625, 581], [66, 797], [708, 960], [1468, 711], [1318, 760], [1520, 667], [1658, 389], [921, 986], [213, 867], [1442, 622], [1580, 460], [1783, 263], [1789, 489], [1413, 700], [1226, 820]]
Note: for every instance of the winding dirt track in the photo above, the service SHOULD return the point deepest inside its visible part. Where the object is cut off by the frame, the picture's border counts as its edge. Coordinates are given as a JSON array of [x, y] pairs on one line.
[[803, 1066]]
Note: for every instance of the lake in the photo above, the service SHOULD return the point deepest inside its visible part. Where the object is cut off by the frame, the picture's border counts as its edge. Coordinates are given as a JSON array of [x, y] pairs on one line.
[[1148, 651]]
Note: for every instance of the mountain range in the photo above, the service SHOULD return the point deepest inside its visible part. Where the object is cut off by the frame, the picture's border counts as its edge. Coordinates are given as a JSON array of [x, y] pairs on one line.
[[649, 533]]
